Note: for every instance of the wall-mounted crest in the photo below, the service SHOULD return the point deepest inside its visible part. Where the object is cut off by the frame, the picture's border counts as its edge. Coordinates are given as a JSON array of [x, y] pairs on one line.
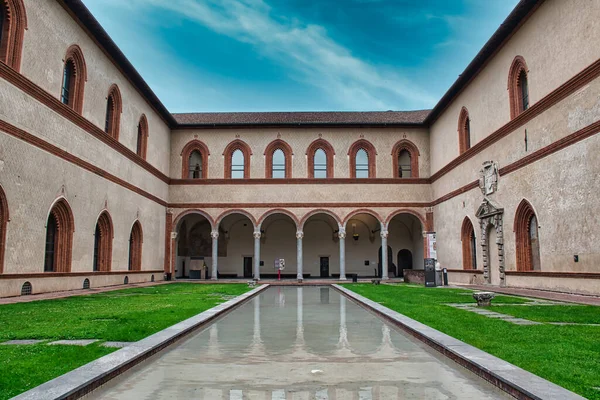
[[488, 178]]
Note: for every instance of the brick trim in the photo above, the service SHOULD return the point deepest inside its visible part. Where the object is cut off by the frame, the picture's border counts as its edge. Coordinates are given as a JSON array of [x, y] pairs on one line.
[[523, 217], [467, 271], [467, 232], [514, 86], [414, 153], [371, 154], [233, 211], [15, 23], [310, 158], [426, 222], [267, 214], [188, 149], [278, 144], [228, 154], [43, 145], [545, 274], [105, 226], [359, 211], [168, 240], [114, 108], [464, 134], [63, 244], [70, 274], [136, 239], [77, 85], [302, 181], [200, 206], [142, 139], [68, 113], [4, 218]]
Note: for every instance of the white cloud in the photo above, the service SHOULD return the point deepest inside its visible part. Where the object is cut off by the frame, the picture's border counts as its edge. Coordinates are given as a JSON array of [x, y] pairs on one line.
[[306, 51]]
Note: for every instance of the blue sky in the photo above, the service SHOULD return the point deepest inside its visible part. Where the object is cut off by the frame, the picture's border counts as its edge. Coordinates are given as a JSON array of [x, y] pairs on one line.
[[300, 55]]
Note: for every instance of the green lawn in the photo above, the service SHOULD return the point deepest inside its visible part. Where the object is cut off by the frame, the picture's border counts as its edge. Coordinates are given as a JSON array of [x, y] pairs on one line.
[[566, 355], [123, 315]]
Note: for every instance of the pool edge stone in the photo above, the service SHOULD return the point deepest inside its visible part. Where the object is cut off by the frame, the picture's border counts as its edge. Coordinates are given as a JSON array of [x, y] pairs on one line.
[[85, 379], [502, 374]]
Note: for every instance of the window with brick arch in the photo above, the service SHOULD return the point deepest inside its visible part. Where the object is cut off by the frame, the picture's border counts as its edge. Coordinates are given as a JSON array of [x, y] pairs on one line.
[[405, 156], [518, 87], [73, 79], [135, 247], [59, 238], [103, 237], [113, 112], [278, 160], [195, 165], [237, 160], [13, 22], [469, 245], [361, 164], [404, 164], [3, 226], [464, 131], [142, 137], [362, 159], [527, 238], [237, 164], [320, 164]]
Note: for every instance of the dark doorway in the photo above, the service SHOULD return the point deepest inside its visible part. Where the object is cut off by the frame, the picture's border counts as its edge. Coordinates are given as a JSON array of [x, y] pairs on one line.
[[404, 261], [247, 267], [324, 267], [391, 266]]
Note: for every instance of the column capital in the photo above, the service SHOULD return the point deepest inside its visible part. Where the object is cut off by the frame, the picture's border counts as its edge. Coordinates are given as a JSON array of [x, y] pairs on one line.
[[299, 235], [384, 234], [342, 234], [214, 234], [257, 234]]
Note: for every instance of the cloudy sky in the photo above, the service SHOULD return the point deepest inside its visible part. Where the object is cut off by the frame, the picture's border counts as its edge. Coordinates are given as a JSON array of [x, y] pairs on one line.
[[300, 55]]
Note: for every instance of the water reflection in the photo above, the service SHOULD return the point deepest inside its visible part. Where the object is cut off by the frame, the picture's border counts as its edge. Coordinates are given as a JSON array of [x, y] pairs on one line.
[[299, 343]]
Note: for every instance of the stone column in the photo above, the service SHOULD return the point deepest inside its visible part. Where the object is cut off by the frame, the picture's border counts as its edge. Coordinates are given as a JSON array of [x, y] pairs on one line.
[[215, 254], [299, 236], [384, 255], [257, 254], [342, 238]]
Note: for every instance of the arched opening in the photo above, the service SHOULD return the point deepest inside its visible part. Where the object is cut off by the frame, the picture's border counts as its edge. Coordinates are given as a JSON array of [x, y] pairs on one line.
[[136, 239], [73, 80], [405, 261], [464, 131], [238, 242], [194, 158], [518, 87], [237, 160], [278, 241], [405, 157], [3, 225], [59, 238], [363, 241], [142, 137], [321, 251], [406, 239], [469, 245], [26, 289], [103, 238], [527, 238], [193, 249], [86, 283], [278, 160], [13, 22], [114, 108], [362, 159], [237, 165], [319, 156]]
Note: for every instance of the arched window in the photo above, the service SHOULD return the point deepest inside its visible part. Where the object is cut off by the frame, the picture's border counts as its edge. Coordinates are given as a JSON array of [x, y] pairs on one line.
[[405, 156], [469, 245], [103, 238], [320, 164], [59, 238], [518, 87], [114, 108], [135, 247], [464, 131], [319, 156], [237, 160], [142, 137], [195, 165], [194, 160], [278, 160], [361, 165], [527, 238], [73, 80], [13, 22], [362, 159], [3, 223]]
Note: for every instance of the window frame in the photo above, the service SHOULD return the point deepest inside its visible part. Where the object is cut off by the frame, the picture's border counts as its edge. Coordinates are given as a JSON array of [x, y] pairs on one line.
[[275, 145], [371, 155]]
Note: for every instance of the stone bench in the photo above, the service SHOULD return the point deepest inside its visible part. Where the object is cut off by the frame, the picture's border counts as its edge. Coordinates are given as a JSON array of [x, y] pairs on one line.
[[484, 299], [375, 281]]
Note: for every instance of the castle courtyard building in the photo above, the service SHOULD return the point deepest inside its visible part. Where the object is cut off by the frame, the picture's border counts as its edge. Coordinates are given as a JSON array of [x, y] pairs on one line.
[[101, 185]]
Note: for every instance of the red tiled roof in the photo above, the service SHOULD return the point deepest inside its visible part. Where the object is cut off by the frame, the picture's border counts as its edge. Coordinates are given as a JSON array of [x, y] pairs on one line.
[[303, 118]]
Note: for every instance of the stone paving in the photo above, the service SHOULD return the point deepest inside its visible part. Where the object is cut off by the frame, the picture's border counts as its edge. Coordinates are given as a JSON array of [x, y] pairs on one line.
[[492, 314], [540, 294]]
